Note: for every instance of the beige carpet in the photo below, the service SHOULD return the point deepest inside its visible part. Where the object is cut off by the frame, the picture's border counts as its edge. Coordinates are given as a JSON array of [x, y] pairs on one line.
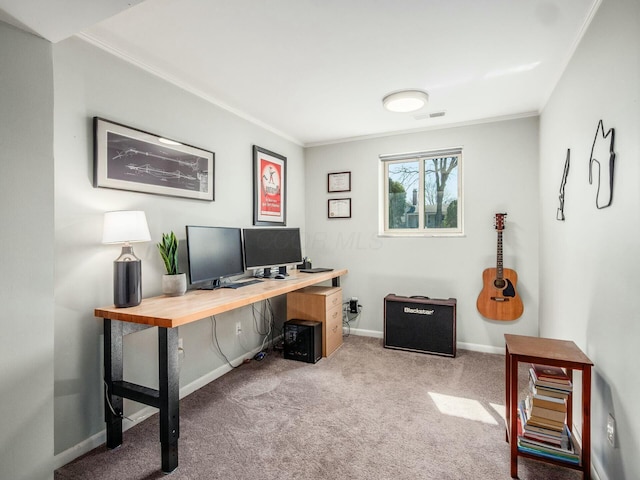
[[365, 413]]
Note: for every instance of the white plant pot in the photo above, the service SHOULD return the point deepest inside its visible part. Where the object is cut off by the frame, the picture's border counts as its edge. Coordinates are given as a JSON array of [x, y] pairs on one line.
[[174, 285]]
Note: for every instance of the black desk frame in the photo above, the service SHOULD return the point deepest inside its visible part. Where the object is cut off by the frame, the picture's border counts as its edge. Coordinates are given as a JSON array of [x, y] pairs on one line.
[[166, 398]]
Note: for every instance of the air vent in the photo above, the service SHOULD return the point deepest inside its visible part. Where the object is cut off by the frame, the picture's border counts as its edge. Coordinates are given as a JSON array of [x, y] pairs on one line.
[[424, 116]]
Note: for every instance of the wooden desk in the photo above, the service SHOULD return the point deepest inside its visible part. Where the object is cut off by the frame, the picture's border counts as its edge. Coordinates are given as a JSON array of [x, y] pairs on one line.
[[167, 313], [559, 353]]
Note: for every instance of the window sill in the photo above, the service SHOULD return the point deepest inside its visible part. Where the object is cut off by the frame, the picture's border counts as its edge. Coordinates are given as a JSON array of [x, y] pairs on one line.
[[420, 235]]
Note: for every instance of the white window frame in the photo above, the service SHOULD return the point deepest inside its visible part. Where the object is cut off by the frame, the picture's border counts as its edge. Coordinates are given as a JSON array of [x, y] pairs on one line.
[[421, 231]]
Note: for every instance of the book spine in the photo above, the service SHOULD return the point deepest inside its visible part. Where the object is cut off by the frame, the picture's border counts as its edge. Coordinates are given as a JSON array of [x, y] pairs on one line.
[[550, 403], [550, 373], [544, 423], [550, 392], [560, 383], [549, 454], [562, 448], [548, 414], [532, 451]]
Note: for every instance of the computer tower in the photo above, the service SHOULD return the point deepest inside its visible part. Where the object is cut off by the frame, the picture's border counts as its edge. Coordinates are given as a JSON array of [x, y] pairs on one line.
[[420, 324], [303, 340]]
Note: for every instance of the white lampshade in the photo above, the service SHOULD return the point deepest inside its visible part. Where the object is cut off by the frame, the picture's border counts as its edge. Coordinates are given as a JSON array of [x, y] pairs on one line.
[[405, 101], [125, 226]]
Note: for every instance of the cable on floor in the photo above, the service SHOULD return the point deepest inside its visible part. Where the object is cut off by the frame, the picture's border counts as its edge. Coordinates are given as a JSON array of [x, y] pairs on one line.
[[214, 338]]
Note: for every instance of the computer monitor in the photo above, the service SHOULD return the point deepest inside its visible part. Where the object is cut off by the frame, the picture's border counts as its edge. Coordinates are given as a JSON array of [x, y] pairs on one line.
[[271, 247], [213, 253]]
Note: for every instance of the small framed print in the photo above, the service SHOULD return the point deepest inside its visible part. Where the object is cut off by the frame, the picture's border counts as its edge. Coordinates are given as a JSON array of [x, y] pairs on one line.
[[339, 208], [339, 182]]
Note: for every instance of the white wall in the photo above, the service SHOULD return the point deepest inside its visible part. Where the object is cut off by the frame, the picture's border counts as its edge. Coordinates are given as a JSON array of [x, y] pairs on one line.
[[90, 82], [27, 236], [588, 282], [500, 175], [589, 263]]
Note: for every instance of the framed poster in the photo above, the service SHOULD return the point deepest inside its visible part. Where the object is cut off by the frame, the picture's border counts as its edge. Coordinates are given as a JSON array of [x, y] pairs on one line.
[[339, 208], [339, 182], [269, 188], [125, 158]]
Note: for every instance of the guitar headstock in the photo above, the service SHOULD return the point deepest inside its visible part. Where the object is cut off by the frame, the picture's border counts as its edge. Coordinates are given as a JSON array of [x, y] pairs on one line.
[[499, 222]]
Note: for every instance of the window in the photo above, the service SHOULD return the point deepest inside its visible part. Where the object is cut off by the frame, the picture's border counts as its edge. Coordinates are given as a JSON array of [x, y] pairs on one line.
[[422, 193]]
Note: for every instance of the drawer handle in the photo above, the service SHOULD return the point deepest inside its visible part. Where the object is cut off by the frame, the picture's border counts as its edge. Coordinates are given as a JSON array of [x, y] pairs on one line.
[[335, 314], [335, 327]]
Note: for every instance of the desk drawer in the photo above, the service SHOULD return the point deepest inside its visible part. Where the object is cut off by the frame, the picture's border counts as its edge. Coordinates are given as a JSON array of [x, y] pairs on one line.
[[322, 304], [313, 303], [333, 331], [334, 299]]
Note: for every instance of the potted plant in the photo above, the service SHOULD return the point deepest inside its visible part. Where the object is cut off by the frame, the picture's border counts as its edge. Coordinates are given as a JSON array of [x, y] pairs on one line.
[[174, 283]]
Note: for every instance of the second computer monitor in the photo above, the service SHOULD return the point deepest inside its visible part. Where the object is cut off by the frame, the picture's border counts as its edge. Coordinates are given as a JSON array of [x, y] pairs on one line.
[[271, 247]]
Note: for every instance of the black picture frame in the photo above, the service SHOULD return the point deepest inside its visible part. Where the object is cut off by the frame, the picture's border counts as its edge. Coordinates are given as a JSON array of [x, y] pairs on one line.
[[338, 182], [125, 158], [339, 208], [269, 187]]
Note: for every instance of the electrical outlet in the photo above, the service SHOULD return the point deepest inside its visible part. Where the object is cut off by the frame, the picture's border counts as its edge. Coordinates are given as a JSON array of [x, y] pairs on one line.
[[611, 430], [353, 305], [180, 344], [238, 328]]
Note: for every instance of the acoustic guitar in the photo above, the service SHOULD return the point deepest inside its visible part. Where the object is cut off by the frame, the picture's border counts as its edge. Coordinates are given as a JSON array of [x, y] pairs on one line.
[[499, 299]]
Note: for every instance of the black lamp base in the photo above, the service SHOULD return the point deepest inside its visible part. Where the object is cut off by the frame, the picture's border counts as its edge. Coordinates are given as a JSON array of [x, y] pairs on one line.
[[127, 280]]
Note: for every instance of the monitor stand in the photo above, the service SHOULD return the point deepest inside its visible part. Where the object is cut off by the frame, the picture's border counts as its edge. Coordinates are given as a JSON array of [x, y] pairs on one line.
[[215, 284], [270, 272]]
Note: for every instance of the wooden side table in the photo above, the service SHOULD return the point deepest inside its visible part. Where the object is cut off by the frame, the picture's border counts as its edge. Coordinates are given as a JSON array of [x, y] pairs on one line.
[[559, 353]]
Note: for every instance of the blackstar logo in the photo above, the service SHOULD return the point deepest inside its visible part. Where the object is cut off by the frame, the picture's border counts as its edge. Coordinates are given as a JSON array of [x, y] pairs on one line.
[[419, 311]]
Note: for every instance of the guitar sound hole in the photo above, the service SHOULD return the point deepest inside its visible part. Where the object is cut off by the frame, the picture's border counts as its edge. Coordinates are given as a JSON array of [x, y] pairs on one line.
[[500, 283]]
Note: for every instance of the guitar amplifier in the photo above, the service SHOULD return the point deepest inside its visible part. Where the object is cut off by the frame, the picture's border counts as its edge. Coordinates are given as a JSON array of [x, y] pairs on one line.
[[420, 324]]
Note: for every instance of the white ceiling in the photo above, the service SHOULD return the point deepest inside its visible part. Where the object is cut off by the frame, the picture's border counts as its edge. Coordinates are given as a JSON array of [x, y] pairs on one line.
[[315, 71]]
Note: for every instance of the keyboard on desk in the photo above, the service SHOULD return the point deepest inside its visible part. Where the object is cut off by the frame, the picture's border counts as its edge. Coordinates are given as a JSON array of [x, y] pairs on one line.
[[241, 284], [315, 270]]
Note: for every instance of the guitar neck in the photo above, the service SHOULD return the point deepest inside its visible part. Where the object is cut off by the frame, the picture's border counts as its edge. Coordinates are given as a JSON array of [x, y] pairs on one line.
[[499, 272]]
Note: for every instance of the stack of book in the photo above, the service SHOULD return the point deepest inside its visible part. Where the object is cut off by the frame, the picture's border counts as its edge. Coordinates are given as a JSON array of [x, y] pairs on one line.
[[542, 429]]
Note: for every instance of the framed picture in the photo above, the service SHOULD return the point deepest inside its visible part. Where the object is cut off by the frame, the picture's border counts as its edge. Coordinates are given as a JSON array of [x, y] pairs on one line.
[[339, 182], [125, 158], [339, 208], [269, 188]]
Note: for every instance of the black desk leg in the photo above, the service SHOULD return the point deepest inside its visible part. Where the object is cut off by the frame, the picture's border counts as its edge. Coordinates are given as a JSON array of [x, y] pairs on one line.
[[169, 397], [113, 373], [335, 281]]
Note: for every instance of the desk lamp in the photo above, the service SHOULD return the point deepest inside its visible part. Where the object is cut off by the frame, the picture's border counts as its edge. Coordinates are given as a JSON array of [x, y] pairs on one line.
[[126, 227]]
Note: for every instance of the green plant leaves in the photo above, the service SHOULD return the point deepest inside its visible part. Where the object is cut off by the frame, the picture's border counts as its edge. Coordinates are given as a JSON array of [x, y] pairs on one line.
[[169, 252]]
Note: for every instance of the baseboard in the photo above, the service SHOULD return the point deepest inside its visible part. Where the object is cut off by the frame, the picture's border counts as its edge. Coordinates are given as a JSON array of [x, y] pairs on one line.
[[70, 454], [365, 333], [100, 438], [461, 345], [475, 347], [597, 472]]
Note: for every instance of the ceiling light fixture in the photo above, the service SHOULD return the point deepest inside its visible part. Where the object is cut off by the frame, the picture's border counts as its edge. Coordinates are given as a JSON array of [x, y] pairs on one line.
[[405, 101]]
